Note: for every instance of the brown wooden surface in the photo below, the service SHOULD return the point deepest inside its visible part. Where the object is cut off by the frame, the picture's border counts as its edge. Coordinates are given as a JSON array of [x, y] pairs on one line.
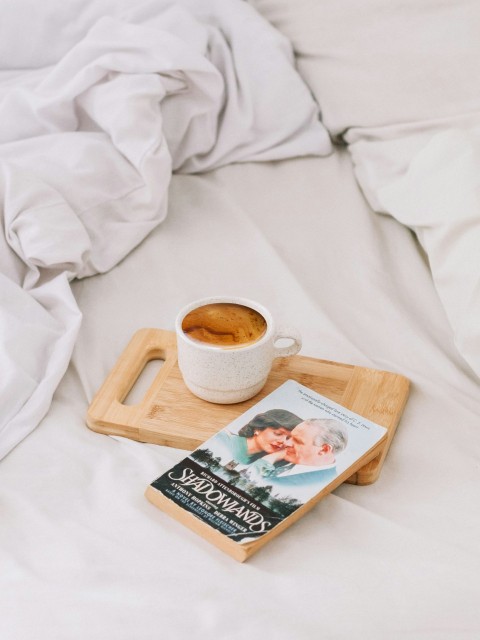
[[171, 415]]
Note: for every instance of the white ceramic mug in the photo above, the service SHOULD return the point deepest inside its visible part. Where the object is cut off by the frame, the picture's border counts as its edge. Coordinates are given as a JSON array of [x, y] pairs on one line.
[[231, 375]]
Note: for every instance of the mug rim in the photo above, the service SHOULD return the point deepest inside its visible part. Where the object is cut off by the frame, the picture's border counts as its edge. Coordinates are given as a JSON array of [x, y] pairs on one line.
[[202, 302]]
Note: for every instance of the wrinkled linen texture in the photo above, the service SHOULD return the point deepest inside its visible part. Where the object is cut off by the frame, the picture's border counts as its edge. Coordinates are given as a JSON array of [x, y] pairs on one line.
[[430, 181], [88, 143], [398, 82]]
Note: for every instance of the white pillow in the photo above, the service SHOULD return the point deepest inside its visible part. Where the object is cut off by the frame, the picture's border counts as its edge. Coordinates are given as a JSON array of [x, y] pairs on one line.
[[381, 62]]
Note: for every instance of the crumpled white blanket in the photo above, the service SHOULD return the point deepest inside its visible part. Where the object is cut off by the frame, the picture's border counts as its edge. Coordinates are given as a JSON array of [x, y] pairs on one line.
[[427, 175], [87, 148]]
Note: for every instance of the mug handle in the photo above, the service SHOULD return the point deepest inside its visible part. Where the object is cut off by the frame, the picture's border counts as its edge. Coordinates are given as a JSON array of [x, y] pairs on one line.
[[291, 334]]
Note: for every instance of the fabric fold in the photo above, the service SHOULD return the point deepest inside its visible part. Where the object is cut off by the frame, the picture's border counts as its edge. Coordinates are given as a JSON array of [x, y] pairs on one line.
[[427, 178], [88, 146]]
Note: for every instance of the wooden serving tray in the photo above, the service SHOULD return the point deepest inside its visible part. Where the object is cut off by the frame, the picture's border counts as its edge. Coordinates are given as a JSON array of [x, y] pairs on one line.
[[171, 415]]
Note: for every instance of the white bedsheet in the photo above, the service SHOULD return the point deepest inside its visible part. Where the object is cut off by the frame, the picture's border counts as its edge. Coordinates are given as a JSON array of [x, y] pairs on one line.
[[426, 175], [87, 147], [396, 81], [85, 555]]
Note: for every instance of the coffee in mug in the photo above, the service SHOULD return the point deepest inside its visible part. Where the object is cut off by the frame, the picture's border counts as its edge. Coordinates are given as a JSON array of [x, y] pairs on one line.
[[226, 325], [226, 347]]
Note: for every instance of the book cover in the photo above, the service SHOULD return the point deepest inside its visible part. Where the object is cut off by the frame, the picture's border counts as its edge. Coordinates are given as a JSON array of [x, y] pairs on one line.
[[265, 469]]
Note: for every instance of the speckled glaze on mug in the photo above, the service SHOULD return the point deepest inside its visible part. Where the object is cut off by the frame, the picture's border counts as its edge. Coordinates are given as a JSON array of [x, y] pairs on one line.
[[226, 376]]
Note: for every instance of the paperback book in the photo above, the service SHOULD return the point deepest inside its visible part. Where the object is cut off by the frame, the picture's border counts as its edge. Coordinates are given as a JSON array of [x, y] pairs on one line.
[[265, 469]]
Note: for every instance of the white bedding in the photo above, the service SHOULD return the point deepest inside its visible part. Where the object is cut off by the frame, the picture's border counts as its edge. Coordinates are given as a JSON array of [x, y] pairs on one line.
[[82, 552], [87, 148], [428, 178], [397, 84]]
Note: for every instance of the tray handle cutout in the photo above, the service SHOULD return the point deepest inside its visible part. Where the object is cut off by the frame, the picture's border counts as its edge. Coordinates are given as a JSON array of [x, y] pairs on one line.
[[107, 408]]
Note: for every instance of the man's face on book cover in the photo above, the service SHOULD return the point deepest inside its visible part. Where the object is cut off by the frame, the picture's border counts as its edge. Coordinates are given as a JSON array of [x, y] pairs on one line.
[[301, 447]]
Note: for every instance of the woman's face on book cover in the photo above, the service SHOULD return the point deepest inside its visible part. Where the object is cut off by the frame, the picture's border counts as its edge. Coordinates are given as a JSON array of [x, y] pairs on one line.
[[272, 439]]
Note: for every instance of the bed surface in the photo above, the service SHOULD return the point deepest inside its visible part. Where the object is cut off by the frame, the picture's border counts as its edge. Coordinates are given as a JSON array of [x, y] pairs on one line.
[[84, 555], [371, 251]]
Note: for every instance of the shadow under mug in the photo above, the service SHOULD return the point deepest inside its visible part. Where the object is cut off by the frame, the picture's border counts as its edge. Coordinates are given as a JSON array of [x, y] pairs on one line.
[[234, 374]]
